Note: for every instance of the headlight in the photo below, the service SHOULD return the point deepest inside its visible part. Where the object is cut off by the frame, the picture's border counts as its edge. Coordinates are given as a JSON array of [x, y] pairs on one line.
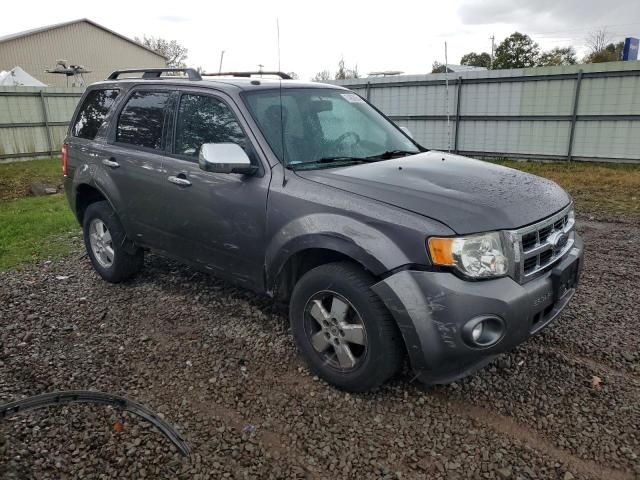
[[477, 256]]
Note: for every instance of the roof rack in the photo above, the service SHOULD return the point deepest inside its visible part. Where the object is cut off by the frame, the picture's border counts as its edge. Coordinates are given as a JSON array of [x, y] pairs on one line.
[[282, 75], [151, 73]]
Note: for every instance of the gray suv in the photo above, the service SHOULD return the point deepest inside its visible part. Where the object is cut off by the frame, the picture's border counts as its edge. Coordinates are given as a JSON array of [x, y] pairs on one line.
[[308, 193]]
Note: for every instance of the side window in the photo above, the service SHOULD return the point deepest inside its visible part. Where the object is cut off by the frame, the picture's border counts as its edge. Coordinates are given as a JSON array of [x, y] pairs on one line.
[[142, 119], [93, 112], [203, 119]]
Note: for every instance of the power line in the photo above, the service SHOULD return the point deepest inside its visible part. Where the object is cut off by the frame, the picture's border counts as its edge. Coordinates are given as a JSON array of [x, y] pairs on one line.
[[583, 29]]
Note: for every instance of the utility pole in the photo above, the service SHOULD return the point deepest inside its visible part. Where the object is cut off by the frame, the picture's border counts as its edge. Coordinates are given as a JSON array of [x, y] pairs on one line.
[[221, 57], [493, 43]]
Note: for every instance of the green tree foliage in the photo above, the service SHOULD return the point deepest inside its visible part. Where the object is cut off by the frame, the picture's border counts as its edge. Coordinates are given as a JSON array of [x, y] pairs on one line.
[[558, 56], [437, 67], [610, 53], [345, 73], [175, 53], [516, 51], [322, 76], [476, 59]]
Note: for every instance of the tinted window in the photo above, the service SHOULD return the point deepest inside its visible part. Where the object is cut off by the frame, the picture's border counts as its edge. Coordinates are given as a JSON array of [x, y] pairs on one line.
[[203, 119], [142, 119], [93, 112]]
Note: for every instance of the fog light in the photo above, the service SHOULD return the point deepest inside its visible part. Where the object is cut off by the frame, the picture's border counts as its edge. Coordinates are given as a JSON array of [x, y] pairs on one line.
[[484, 331], [477, 331]]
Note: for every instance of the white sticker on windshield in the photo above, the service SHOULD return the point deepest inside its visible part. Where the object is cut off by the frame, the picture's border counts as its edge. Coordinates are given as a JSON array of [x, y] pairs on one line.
[[352, 97]]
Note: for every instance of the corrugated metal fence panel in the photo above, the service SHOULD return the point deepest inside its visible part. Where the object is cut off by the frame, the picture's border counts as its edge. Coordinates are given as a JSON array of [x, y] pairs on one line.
[[612, 140], [25, 131], [514, 137], [610, 96], [527, 113]]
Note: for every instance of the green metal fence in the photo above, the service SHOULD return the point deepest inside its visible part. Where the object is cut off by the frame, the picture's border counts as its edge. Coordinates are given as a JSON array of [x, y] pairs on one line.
[[34, 121], [579, 112]]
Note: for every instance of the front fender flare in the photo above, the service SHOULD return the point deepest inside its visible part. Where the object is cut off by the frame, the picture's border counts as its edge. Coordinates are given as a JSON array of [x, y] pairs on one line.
[[357, 240]]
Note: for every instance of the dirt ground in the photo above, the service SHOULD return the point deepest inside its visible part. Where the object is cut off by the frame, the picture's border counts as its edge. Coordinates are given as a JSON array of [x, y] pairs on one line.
[[219, 364]]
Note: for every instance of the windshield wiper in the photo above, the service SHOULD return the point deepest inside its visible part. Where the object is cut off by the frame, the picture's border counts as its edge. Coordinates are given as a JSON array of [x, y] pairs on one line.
[[390, 154], [327, 160]]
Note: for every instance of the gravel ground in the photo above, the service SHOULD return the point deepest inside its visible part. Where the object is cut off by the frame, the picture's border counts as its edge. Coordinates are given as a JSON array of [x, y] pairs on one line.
[[219, 364]]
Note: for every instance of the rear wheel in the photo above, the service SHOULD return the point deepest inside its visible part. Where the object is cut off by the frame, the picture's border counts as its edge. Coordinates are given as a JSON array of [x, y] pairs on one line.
[[113, 256], [343, 329]]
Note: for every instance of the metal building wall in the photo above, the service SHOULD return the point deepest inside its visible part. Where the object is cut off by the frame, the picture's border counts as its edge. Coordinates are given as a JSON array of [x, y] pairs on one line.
[[79, 43], [523, 113]]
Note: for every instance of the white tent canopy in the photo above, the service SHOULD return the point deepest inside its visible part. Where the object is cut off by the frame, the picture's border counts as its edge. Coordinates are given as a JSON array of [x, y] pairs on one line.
[[17, 77]]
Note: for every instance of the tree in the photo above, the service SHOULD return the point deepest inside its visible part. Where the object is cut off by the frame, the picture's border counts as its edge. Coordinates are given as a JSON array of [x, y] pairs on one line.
[[597, 41], [609, 53], [293, 75], [175, 53], [437, 67], [476, 59], [322, 76], [516, 51], [558, 56], [345, 73]]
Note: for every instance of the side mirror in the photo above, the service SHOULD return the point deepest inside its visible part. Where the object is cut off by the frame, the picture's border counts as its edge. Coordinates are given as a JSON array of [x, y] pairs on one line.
[[407, 132], [225, 158]]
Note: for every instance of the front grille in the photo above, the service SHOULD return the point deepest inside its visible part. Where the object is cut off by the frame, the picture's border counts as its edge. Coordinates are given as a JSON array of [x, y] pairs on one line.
[[540, 245]]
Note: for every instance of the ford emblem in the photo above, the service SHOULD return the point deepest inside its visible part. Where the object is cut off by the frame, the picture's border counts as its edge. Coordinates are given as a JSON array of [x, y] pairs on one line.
[[560, 241]]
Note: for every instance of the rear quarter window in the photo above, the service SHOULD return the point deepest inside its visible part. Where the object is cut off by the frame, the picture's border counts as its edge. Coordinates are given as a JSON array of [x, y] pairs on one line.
[[93, 112]]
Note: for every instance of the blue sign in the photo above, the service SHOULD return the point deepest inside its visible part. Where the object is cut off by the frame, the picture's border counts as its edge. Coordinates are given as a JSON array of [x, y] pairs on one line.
[[630, 51]]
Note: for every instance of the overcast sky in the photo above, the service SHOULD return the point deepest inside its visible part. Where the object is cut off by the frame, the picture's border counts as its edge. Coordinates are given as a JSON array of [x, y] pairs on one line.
[[389, 35]]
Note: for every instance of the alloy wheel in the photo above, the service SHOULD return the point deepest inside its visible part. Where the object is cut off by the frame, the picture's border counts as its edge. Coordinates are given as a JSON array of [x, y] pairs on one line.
[[101, 243], [335, 330]]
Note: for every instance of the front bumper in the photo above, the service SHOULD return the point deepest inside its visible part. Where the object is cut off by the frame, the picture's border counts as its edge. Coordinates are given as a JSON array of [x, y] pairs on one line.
[[431, 308]]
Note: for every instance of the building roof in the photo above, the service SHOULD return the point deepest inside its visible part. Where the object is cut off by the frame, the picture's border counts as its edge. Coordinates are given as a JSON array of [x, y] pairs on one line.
[[26, 33]]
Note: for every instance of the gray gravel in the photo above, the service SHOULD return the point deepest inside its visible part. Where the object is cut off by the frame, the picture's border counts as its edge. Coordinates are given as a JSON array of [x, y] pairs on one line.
[[219, 364]]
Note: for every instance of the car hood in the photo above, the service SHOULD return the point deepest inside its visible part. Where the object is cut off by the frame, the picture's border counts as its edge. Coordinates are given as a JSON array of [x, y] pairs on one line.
[[468, 195]]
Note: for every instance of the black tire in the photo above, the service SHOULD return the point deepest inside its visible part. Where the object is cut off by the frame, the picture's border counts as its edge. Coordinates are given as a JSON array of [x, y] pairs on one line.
[[127, 260], [382, 355]]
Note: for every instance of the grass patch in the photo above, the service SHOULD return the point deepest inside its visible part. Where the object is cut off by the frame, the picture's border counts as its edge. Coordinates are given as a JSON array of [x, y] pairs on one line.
[[16, 177], [608, 191], [35, 228]]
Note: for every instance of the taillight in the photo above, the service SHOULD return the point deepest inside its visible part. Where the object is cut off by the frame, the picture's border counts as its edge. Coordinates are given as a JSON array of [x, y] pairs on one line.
[[65, 159]]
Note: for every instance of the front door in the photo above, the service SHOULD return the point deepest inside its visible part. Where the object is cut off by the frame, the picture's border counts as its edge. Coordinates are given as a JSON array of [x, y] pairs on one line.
[[217, 220]]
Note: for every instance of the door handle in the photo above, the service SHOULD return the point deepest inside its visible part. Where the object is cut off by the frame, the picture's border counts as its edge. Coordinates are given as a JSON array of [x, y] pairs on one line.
[[110, 162], [183, 182]]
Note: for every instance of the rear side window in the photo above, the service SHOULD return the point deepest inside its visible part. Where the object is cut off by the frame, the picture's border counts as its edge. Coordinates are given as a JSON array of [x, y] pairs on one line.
[[93, 112], [203, 119], [142, 119]]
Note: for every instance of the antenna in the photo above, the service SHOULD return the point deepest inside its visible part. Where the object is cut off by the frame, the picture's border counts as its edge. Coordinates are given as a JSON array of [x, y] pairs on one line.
[[446, 83], [221, 57], [278, 28], [284, 159]]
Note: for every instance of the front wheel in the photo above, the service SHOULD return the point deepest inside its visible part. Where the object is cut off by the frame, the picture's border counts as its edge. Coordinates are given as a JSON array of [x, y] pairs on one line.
[[111, 253], [343, 330]]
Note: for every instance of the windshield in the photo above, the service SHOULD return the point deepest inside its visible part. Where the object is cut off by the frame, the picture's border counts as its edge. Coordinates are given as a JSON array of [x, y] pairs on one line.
[[324, 126]]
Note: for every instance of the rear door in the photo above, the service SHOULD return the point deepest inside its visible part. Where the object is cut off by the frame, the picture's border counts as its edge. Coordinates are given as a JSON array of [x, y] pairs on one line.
[[135, 162], [215, 219], [86, 140]]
